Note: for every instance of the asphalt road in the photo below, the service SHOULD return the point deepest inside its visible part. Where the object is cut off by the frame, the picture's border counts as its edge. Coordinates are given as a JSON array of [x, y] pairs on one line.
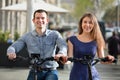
[[107, 72]]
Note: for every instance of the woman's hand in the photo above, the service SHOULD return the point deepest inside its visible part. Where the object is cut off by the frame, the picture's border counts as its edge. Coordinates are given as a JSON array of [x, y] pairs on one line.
[[110, 59]]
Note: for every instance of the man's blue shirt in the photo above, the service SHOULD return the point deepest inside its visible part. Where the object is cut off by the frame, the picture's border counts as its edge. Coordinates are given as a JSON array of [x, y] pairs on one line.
[[44, 45]]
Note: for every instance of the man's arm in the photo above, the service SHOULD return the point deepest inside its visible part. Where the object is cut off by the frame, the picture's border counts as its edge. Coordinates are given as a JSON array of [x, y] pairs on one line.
[[61, 44], [15, 47]]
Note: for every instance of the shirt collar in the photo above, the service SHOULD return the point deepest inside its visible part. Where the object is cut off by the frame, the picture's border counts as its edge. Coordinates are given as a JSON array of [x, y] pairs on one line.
[[35, 33]]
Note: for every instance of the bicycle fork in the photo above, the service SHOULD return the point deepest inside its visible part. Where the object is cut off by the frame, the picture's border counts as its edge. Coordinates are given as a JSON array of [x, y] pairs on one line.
[[89, 71]]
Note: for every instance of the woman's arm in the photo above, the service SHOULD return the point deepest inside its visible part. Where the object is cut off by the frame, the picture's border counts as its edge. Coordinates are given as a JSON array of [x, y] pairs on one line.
[[70, 49], [100, 53]]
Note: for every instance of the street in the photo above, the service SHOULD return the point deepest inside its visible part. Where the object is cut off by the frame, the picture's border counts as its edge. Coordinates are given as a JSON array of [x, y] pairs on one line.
[[107, 72]]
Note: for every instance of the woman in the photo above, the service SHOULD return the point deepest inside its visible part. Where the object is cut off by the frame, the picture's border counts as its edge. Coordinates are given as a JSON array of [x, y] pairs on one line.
[[89, 41]]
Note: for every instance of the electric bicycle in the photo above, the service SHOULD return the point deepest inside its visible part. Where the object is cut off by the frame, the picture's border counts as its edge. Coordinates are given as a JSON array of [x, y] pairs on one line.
[[90, 62]]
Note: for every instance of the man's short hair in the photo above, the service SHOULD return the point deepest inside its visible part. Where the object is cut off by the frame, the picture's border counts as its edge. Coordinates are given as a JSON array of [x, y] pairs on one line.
[[40, 11]]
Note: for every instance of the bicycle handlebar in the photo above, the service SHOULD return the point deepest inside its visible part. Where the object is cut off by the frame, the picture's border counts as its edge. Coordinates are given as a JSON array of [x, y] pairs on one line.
[[28, 58], [82, 60], [38, 61], [95, 61]]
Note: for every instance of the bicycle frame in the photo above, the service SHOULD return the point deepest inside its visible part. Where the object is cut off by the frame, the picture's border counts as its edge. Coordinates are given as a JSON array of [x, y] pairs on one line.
[[35, 61]]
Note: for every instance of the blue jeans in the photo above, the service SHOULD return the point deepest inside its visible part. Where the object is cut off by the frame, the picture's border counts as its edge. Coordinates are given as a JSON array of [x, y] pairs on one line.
[[44, 75]]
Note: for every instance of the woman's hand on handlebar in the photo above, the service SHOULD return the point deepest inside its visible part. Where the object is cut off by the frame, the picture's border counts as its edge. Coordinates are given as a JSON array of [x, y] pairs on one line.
[[11, 56], [108, 59]]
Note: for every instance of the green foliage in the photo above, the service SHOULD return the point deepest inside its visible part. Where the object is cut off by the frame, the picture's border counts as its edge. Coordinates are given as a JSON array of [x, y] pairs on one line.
[[105, 4], [4, 37], [82, 6], [16, 36], [111, 15]]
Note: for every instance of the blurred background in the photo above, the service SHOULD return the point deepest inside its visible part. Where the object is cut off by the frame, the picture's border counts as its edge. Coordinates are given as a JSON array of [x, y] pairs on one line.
[[16, 15]]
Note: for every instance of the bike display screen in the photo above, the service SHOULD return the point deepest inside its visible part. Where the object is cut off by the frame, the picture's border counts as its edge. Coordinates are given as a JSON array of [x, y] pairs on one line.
[[35, 55]]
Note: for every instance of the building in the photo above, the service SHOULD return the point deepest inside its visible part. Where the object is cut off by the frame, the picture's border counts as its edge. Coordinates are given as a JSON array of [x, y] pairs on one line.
[[15, 21]]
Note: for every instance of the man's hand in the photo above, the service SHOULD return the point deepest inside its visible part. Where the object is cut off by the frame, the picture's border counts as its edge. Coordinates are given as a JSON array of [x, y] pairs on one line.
[[61, 58], [11, 56]]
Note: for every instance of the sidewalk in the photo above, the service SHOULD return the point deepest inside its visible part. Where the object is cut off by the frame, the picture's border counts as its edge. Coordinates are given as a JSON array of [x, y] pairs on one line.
[[13, 73], [107, 72]]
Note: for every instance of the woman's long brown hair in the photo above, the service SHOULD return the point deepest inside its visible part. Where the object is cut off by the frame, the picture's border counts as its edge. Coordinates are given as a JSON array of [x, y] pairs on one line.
[[96, 32]]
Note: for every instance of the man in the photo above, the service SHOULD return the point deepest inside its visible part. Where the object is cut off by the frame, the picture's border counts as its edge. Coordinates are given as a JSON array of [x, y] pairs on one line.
[[114, 45], [42, 41]]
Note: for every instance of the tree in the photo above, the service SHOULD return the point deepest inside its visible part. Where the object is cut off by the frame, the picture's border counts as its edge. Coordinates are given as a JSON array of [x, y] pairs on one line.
[[111, 15], [94, 6], [81, 6]]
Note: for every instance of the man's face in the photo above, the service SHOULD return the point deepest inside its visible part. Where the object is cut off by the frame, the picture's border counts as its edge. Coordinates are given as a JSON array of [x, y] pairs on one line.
[[40, 20]]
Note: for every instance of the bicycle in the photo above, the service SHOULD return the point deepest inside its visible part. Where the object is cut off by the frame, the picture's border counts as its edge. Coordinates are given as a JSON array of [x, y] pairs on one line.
[[90, 62], [35, 62]]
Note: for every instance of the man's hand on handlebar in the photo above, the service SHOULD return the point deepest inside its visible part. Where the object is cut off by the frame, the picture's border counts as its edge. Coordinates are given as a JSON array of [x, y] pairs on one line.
[[63, 59], [60, 57], [11, 56]]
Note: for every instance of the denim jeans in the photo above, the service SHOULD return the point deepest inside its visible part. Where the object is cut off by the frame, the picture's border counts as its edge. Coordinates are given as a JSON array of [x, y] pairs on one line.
[[44, 75]]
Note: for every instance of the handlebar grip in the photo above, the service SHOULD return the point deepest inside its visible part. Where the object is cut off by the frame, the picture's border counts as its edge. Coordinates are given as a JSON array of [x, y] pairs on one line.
[[115, 60], [20, 58], [74, 59], [70, 59]]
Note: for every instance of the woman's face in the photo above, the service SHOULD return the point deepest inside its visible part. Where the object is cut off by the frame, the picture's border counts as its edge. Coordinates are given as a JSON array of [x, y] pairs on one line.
[[87, 25]]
